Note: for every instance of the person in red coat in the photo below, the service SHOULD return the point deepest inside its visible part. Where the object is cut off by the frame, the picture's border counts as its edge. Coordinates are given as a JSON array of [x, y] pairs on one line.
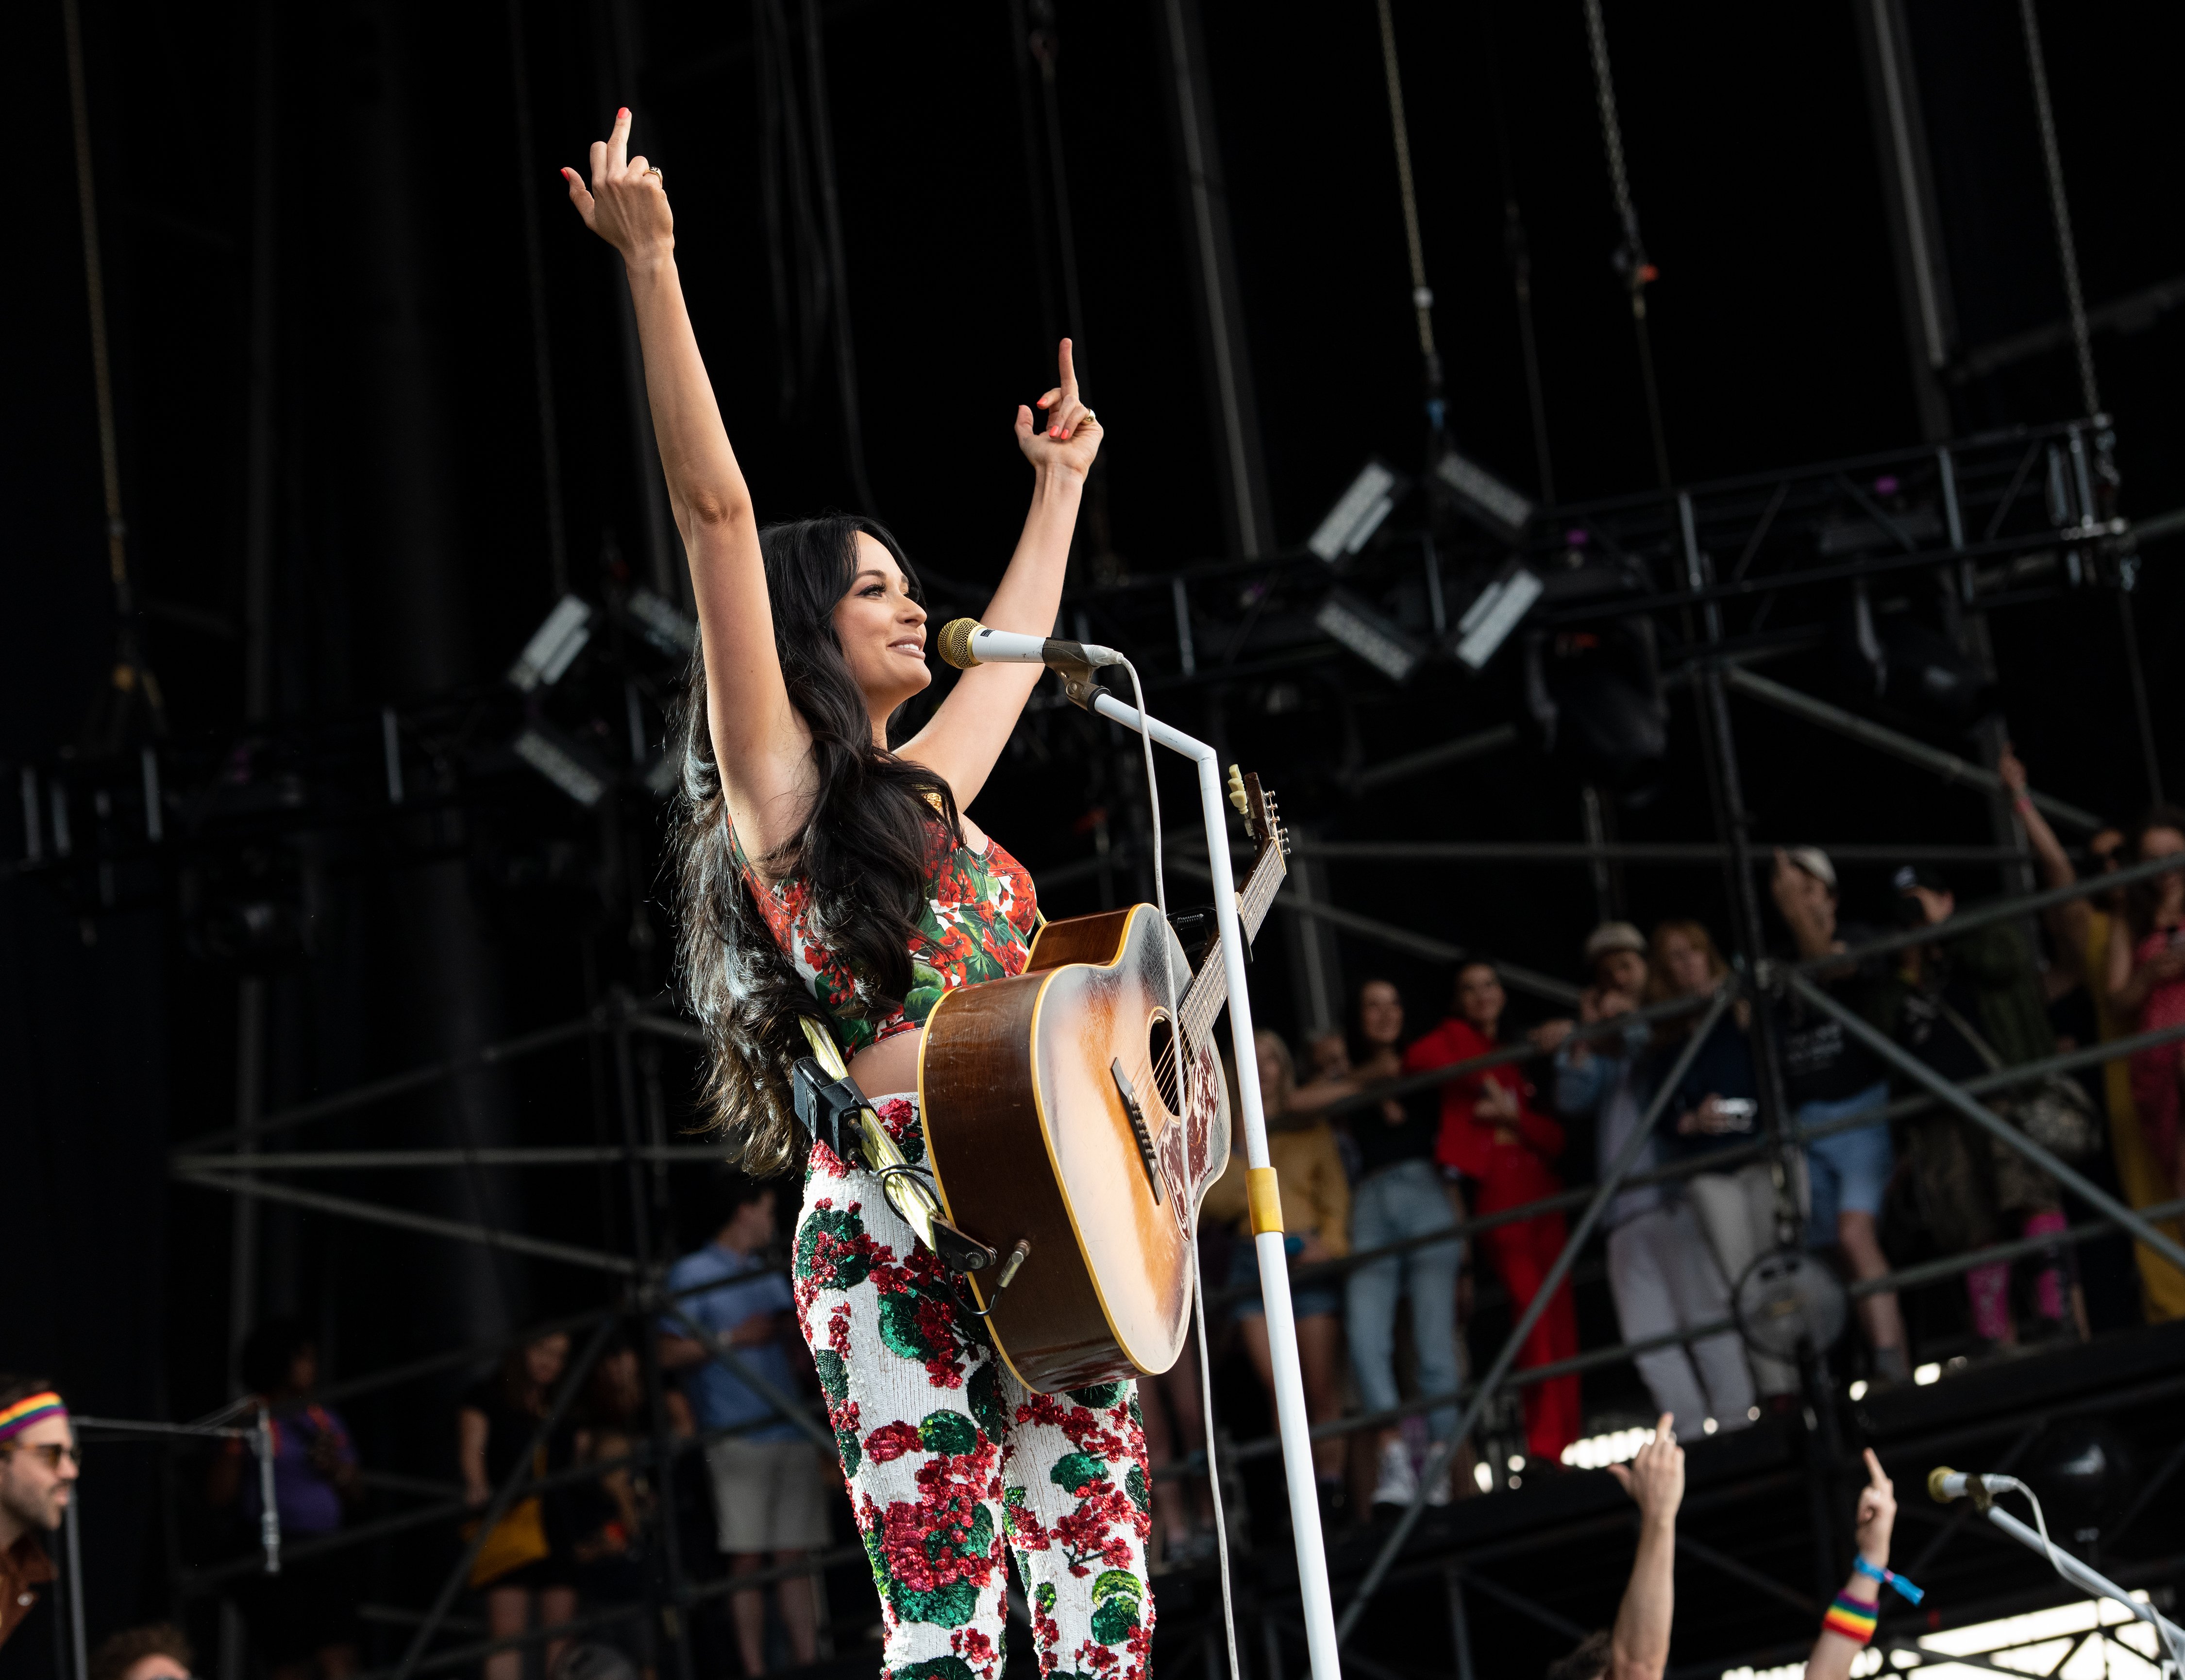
[[1492, 1134]]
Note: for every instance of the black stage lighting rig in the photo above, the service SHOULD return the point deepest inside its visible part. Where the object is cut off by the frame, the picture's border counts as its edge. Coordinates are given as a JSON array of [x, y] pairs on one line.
[[1375, 638], [559, 638], [1482, 498], [1358, 513]]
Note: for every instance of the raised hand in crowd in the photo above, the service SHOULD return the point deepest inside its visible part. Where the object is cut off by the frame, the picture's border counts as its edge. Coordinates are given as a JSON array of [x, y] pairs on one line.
[[1639, 1645], [1849, 1623]]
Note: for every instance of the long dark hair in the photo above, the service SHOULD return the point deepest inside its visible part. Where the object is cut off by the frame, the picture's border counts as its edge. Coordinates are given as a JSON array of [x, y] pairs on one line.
[[2142, 899], [863, 849]]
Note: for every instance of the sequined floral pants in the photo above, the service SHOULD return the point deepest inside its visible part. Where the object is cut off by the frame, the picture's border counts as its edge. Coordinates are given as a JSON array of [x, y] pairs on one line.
[[950, 1458]]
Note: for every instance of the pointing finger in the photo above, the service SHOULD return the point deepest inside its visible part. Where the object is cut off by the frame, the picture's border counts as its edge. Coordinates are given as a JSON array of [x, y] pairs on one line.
[[618, 142], [1069, 368], [1874, 1477]]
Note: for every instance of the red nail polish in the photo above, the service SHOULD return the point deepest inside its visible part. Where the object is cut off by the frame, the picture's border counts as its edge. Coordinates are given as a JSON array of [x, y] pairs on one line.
[[621, 114]]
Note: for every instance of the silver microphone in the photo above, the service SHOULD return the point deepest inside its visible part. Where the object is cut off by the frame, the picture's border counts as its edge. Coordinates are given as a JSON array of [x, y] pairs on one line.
[[965, 642], [1944, 1485]]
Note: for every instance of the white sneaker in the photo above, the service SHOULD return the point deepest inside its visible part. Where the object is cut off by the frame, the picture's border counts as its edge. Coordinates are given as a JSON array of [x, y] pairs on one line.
[[1398, 1482]]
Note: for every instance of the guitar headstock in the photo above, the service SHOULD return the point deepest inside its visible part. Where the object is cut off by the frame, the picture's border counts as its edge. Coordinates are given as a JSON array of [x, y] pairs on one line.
[[1261, 819]]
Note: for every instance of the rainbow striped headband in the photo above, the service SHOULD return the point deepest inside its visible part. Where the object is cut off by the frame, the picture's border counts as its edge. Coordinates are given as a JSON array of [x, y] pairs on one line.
[[29, 1410]]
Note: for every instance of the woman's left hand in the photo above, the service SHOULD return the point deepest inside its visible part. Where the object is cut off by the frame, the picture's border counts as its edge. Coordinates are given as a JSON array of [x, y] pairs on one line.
[[1070, 436]]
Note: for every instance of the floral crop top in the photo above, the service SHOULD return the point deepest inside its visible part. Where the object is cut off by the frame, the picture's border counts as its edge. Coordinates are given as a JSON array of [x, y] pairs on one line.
[[977, 923]]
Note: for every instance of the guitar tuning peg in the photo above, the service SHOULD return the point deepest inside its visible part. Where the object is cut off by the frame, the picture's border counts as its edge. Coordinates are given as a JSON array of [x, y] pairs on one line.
[[1237, 788]]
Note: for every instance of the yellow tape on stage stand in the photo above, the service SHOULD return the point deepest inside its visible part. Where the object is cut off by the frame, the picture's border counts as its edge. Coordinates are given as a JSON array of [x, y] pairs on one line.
[[1265, 1197]]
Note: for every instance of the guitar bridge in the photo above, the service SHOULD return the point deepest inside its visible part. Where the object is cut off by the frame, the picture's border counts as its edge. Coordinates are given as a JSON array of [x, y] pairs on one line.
[[1143, 1137]]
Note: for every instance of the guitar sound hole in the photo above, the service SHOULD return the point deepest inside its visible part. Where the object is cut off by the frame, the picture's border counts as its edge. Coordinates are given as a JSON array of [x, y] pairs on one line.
[[1160, 1051]]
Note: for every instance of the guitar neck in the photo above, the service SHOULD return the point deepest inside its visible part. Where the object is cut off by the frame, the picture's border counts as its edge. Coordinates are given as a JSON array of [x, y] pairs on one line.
[[1210, 986]]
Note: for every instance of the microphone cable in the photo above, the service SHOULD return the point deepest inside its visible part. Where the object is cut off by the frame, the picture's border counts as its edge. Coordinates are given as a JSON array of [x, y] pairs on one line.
[[1177, 1049]]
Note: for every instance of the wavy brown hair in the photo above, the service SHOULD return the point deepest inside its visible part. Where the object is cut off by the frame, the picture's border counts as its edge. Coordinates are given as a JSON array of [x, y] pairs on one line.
[[864, 849], [2142, 899]]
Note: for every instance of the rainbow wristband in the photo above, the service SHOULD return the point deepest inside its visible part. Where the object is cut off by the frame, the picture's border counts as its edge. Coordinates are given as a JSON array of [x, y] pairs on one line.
[[1853, 1620], [1905, 1589]]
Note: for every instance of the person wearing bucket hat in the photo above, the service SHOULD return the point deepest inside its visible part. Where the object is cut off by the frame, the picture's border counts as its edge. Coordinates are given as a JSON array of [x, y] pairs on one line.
[[1828, 1075]]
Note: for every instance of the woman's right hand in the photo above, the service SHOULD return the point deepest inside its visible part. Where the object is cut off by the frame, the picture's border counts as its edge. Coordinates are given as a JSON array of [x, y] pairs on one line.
[[627, 202]]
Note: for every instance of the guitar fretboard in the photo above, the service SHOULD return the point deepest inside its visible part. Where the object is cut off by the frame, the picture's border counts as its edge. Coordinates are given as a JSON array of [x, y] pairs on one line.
[[1210, 986]]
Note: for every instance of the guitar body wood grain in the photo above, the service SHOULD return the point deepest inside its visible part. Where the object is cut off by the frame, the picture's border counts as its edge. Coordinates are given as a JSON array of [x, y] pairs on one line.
[[1030, 1137]]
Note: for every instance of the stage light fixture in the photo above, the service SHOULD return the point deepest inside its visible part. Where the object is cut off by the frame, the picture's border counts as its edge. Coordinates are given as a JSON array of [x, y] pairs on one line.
[[1346, 619], [1358, 512], [662, 623], [561, 762], [557, 640], [1494, 613], [1483, 498]]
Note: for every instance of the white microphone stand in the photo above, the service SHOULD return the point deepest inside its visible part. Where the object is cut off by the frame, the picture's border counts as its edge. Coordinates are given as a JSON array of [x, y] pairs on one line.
[[1274, 1264], [2088, 1579]]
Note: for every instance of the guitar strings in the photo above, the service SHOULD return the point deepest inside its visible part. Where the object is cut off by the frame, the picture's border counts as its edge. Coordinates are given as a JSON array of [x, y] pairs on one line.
[[1198, 1285]]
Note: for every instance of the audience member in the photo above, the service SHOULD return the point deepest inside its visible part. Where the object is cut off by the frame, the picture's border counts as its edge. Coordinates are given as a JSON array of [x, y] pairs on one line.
[[1326, 1076], [1736, 1208], [1963, 1007], [1638, 1647], [1830, 1075], [2146, 973], [39, 1467], [1399, 1196], [160, 1651], [304, 1617], [526, 1557], [1849, 1622], [2082, 930], [1315, 1197], [607, 1522], [769, 1486], [1661, 1274], [1492, 1134]]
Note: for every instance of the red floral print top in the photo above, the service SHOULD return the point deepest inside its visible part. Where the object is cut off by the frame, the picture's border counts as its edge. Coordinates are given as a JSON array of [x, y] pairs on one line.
[[979, 913]]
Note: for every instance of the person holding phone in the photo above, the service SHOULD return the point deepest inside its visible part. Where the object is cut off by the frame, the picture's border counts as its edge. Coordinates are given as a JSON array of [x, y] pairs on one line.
[[1713, 1109]]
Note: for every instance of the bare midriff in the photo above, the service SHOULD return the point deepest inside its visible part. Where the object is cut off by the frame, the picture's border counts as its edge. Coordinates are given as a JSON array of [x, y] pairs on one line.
[[891, 1066]]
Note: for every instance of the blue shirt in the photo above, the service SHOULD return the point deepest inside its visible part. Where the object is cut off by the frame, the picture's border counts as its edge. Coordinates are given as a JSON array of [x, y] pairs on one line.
[[718, 1397]]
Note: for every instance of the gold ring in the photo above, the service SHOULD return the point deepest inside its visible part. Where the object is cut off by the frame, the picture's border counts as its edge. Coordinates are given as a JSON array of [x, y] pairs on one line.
[[663, 179], [1091, 416]]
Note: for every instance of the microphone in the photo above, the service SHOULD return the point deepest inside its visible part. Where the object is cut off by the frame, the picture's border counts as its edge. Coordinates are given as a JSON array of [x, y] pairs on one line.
[[965, 642], [1944, 1484]]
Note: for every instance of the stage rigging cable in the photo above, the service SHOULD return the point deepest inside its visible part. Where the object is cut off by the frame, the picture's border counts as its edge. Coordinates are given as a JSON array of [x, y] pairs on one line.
[[1631, 255]]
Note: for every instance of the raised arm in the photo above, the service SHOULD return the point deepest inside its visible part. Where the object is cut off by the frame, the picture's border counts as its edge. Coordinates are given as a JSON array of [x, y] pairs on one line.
[[2067, 922], [1849, 1623], [1638, 1647], [967, 734], [758, 739]]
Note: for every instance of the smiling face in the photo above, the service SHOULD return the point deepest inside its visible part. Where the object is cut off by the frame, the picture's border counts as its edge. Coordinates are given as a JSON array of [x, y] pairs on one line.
[[1380, 1013], [1480, 997], [882, 631]]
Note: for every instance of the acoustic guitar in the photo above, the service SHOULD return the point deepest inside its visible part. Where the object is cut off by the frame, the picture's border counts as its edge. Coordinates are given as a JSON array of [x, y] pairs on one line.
[[1057, 1135]]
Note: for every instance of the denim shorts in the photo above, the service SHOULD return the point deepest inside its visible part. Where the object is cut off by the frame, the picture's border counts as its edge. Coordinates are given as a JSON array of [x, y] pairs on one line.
[[1309, 1300], [1849, 1170]]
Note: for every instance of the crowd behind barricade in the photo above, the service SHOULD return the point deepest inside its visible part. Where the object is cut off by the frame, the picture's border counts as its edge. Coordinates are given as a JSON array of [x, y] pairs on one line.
[[1422, 1217], [1375, 1166]]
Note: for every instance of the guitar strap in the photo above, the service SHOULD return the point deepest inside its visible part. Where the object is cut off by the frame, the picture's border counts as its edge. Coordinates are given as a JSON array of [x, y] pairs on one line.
[[836, 1112]]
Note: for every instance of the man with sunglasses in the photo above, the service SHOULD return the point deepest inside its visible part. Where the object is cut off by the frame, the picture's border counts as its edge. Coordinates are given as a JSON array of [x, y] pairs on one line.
[[37, 1478]]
